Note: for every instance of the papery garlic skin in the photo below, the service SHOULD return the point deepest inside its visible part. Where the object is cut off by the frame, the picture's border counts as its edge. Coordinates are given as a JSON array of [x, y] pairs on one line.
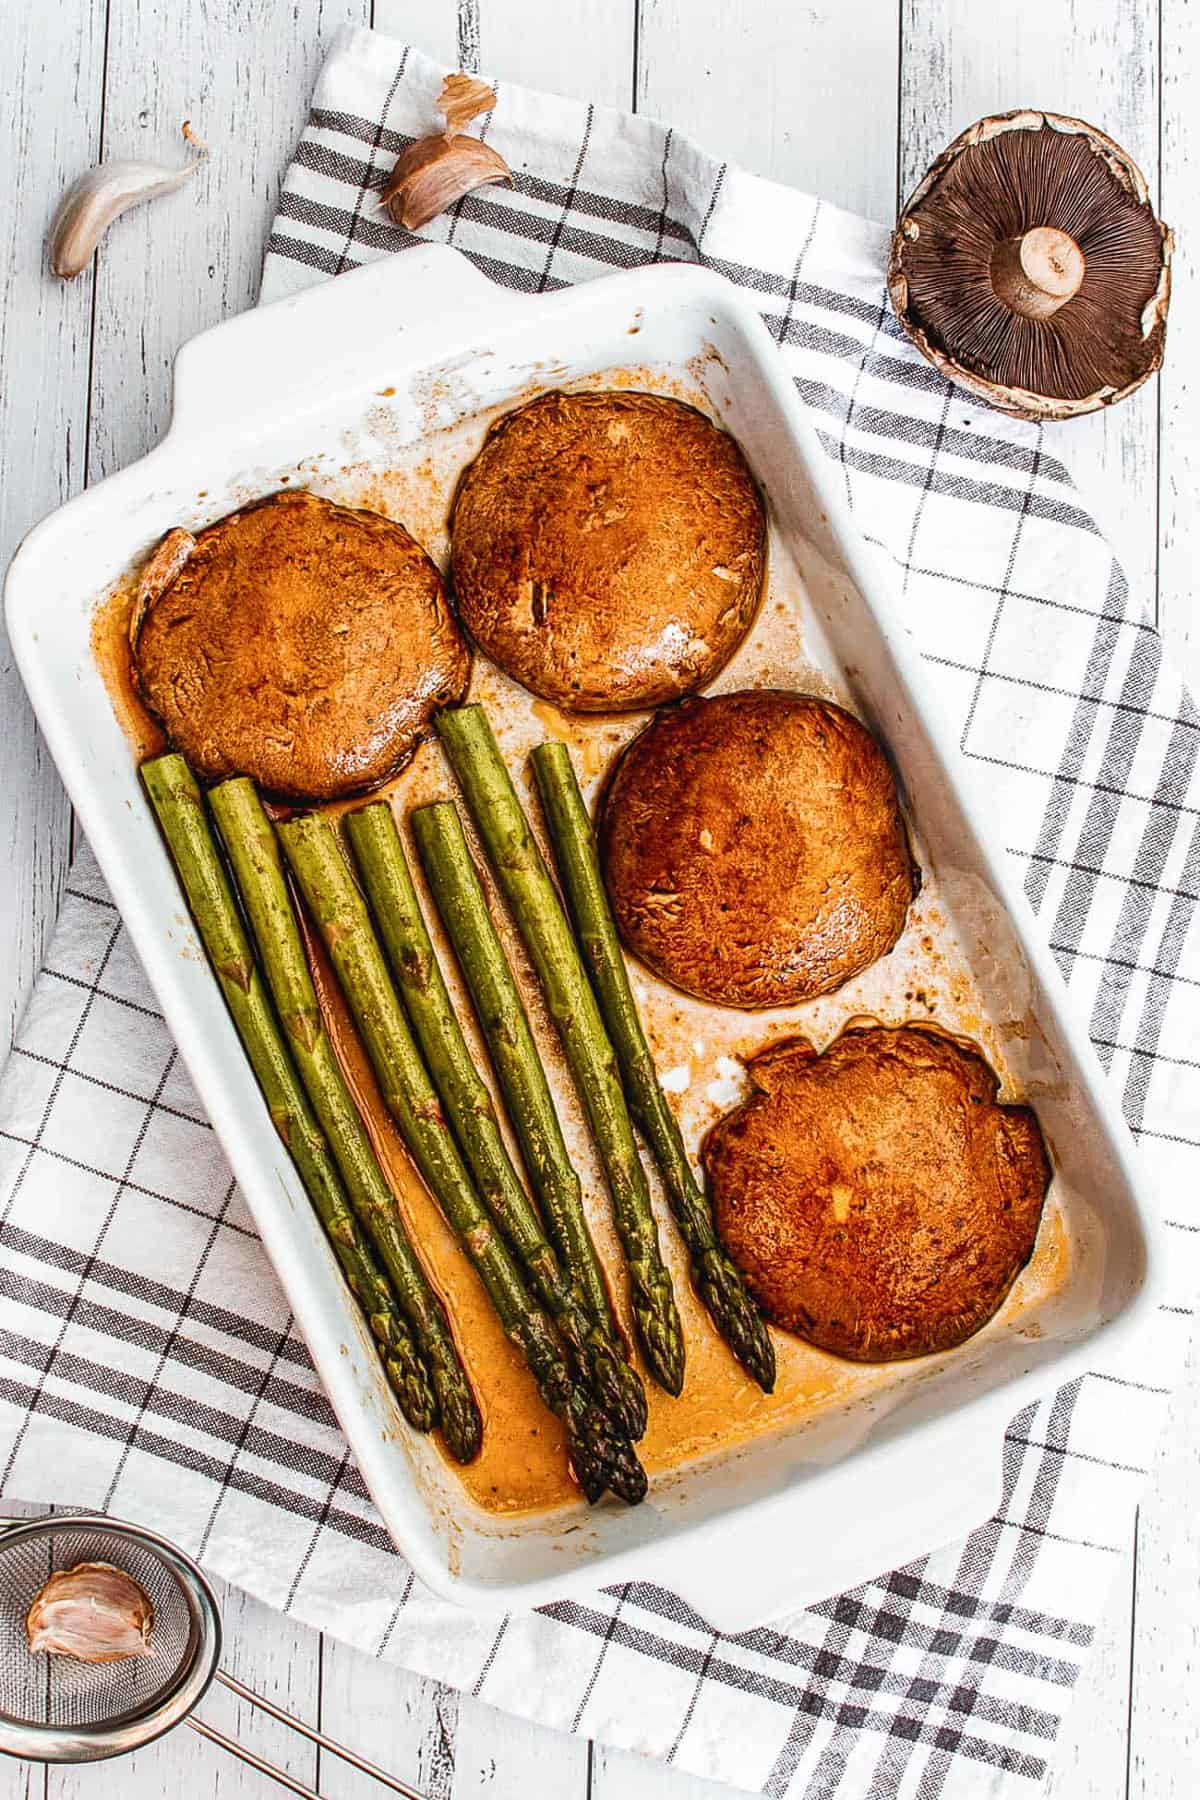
[[102, 194], [463, 98], [94, 1612]]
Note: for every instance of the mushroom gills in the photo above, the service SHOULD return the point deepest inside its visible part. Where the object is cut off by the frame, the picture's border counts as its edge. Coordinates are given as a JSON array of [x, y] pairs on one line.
[[1029, 267]]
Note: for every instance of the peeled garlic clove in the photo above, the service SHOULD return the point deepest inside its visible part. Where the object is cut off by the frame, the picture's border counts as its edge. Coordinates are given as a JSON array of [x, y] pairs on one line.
[[91, 203], [94, 1612], [435, 172]]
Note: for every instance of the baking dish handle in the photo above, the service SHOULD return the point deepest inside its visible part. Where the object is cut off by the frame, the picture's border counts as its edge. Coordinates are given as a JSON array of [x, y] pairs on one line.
[[339, 329], [927, 1496]]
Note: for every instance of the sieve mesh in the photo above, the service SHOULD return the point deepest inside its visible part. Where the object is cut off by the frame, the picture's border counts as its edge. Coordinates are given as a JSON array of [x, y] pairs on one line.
[[60, 1691]]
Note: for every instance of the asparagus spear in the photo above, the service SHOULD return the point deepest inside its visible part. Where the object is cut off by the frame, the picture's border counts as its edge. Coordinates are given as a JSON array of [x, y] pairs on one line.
[[177, 801], [463, 907], [258, 871], [600, 1457], [387, 878], [531, 893], [715, 1275]]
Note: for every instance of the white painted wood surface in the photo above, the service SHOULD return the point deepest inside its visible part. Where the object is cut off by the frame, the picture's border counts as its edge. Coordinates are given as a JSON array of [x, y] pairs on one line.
[[49, 125], [850, 98]]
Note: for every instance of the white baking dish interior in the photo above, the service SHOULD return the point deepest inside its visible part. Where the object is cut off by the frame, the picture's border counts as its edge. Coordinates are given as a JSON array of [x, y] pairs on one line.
[[790, 1518]]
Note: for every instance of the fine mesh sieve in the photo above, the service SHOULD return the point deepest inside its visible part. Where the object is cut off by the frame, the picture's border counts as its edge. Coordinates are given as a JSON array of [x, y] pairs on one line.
[[59, 1709]]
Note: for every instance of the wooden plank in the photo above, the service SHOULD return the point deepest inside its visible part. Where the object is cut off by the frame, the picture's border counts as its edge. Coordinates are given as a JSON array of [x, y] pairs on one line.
[[1088, 1761], [22, 1780], [430, 25], [404, 1724], [620, 1775], [243, 75], [280, 1659], [1164, 1749], [52, 57], [1099, 62], [1179, 442], [537, 43], [442, 1742], [773, 87], [504, 1758], [582, 48], [450, 1744]]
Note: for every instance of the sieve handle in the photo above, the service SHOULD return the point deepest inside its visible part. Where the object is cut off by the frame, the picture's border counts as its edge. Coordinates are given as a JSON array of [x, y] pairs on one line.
[[255, 1761], [309, 1731]]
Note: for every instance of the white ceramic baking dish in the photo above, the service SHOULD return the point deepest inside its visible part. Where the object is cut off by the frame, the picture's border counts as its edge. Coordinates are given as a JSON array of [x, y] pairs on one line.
[[297, 388]]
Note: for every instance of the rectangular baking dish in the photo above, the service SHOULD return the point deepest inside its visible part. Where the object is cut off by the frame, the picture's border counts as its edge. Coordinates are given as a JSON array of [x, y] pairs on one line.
[[291, 392]]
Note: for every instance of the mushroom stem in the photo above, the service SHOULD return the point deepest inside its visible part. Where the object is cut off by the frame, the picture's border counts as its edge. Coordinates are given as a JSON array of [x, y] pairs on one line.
[[1038, 272]]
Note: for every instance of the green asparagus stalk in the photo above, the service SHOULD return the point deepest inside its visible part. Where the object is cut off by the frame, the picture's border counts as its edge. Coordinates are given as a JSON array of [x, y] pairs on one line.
[[387, 878], [458, 892], [258, 870], [716, 1277], [180, 808], [601, 1458], [531, 893]]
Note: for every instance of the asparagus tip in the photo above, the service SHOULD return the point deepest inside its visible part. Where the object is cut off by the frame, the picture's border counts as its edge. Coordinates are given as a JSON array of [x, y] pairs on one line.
[[737, 1317], [617, 1385], [601, 1459], [462, 1427], [661, 1336], [627, 1478], [413, 1392]]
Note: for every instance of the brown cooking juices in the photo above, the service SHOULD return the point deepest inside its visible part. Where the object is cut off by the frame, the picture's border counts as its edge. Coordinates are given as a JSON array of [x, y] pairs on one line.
[[110, 647]]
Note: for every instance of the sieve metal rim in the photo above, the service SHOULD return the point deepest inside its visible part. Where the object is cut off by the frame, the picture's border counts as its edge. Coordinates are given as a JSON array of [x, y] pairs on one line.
[[172, 1704]]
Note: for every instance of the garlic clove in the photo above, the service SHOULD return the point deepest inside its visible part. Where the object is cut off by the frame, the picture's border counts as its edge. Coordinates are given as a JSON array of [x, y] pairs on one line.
[[438, 170], [435, 172], [102, 194], [94, 1612]]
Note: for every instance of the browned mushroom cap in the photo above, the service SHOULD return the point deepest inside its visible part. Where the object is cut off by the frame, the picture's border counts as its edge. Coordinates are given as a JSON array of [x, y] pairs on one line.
[[754, 848], [878, 1198], [1029, 267], [300, 643], [608, 549]]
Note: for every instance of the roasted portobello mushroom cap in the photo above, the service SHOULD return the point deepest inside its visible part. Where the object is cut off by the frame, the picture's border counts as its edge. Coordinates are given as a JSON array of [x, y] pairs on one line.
[[878, 1200], [608, 549], [754, 849], [300, 643]]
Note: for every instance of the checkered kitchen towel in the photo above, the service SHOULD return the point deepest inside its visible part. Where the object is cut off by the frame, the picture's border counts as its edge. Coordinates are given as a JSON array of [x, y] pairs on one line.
[[149, 1362]]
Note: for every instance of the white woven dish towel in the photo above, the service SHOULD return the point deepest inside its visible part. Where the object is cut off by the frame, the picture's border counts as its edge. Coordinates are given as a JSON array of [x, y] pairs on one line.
[[149, 1364]]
